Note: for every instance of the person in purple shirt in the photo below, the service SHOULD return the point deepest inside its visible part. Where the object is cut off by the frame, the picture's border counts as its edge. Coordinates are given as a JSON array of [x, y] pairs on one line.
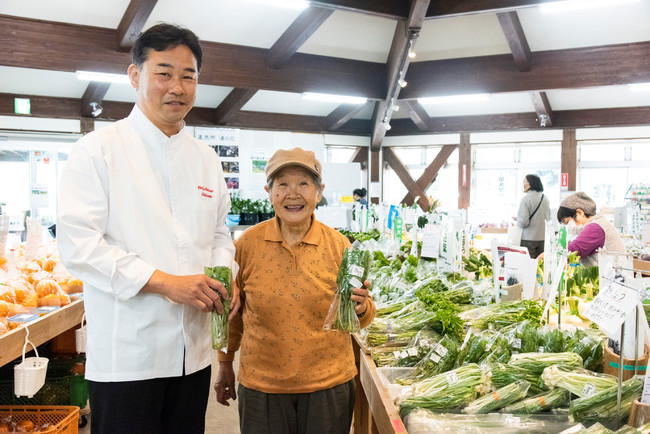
[[578, 212]]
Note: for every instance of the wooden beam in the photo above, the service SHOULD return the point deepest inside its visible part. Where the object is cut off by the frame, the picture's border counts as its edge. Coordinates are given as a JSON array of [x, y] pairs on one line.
[[464, 171], [418, 115], [453, 8], [569, 162], [428, 177], [516, 38], [542, 108], [27, 43], [382, 8], [132, 23], [398, 62], [340, 115], [297, 34], [87, 125], [95, 92], [593, 66], [232, 104], [403, 173], [360, 156]]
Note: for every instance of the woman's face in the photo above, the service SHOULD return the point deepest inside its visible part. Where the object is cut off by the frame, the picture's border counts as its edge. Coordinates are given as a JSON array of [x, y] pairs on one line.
[[294, 195], [526, 185], [580, 219]]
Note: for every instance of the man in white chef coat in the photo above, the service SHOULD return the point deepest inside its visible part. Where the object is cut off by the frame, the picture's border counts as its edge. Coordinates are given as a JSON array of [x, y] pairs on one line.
[[142, 207]]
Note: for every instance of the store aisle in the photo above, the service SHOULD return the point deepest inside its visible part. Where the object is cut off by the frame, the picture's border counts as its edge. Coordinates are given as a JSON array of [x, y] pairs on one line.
[[218, 419]]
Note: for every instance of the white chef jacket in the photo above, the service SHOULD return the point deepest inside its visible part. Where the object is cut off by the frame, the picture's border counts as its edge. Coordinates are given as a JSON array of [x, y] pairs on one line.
[[131, 201]]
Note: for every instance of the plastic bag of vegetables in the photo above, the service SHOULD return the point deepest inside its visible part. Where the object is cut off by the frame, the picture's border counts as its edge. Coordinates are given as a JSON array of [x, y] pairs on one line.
[[502, 375], [220, 320], [538, 404], [447, 391], [440, 358], [537, 362], [499, 398], [352, 273], [579, 381], [601, 406]]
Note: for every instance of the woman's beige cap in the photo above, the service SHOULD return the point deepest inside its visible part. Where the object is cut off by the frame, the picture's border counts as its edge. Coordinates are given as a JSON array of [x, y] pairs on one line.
[[293, 157]]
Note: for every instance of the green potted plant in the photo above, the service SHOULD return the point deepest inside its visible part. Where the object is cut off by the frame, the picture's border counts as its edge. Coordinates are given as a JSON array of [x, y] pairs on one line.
[[266, 210], [234, 216], [249, 212]]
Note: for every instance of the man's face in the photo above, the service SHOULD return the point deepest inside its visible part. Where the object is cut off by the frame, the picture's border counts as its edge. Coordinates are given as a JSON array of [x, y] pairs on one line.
[[166, 86]]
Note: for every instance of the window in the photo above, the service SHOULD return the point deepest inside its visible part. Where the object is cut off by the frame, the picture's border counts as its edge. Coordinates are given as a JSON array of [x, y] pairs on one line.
[[339, 154]]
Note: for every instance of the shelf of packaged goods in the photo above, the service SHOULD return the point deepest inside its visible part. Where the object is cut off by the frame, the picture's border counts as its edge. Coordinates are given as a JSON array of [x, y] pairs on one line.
[[374, 410], [41, 330]]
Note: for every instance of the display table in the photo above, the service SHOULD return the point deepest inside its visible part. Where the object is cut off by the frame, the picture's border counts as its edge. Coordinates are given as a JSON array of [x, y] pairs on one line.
[[374, 411], [40, 331]]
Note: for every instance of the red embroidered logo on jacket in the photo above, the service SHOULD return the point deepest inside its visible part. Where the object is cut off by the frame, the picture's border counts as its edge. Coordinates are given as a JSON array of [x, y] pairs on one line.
[[205, 191]]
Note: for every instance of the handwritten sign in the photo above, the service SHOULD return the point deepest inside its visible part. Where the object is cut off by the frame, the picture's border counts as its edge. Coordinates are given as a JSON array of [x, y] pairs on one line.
[[612, 305], [431, 243]]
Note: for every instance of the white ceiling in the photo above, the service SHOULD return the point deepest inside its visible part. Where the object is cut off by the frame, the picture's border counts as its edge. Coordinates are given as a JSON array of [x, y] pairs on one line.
[[352, 36]]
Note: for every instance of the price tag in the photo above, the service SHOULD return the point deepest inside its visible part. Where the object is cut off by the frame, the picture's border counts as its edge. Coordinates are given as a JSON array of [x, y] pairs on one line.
[[391, 337], [452, 378], [356, 283], [613, 304], [540, 349], [396, 354], [389, 327], [588, 390], [413, 351], [435, 357], [403, 354], [440, 350], [431, 243], [33, 238], [356, 270], [516, 343]]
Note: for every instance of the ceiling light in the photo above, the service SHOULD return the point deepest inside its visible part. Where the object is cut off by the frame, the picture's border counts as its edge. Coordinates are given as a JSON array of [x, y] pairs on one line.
[[402, 82], [454, 99], [573, 5], [639, 87], [411, 54], [334, 98], [289, 4], [102, 76], [386, 125]]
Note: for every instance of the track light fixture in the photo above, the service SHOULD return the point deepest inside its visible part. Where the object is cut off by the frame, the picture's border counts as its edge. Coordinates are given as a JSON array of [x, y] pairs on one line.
[[97, 109]]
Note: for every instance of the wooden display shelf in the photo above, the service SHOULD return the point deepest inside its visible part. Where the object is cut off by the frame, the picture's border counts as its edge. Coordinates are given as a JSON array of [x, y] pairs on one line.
[[375, 412], [40, 331]]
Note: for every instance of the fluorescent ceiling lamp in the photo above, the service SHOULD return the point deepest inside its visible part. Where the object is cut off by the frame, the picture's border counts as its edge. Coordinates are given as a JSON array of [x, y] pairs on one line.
[[289, 4], [455, 99], [574, 5], [639, 87], [102, 76], [334, 98]]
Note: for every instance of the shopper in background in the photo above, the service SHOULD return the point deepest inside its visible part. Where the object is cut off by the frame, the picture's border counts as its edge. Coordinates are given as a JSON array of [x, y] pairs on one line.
[[295, 377], [578, 212], [142, 207], [534, 212], [359, 195]]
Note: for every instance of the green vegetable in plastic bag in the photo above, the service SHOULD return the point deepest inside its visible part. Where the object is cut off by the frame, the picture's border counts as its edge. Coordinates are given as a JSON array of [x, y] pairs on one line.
[[498, 399], [538, 404], [220, 320]]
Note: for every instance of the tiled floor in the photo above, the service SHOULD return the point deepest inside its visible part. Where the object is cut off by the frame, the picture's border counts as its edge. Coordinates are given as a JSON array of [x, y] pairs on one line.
[[218, 419]]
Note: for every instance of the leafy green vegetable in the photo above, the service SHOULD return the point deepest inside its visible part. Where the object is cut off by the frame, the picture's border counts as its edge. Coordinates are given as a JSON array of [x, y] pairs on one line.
[[537, 404], [498, 399], [352, 273], [220, 321], [502, 375], [372, 234], [578, 381], [537, 362], [601, 407]]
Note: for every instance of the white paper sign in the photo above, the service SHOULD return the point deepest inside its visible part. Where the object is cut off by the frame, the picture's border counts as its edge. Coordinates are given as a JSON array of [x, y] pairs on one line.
[[431, 242], [33, 238], [4, 232], [612, 305]]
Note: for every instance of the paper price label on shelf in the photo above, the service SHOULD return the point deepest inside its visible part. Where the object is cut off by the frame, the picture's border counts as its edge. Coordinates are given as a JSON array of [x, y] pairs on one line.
[[413, 351], [613, 304], [435, 357], [356, 283], [516, 343], [33, 238], [356, 270], [588, 390], [431, 243], [452, 378], [440, 350]]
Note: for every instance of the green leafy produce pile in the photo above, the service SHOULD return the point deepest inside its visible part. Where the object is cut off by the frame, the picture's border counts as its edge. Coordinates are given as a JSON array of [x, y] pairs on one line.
[[372, 234]]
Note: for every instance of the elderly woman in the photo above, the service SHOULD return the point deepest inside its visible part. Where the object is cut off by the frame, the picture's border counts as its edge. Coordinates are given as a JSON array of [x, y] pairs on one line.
[[578, 212], [294, 376]]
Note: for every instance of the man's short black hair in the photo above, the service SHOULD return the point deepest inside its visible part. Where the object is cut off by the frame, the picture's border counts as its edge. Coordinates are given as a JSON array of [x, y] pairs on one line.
[[534, 182], [162, 37]]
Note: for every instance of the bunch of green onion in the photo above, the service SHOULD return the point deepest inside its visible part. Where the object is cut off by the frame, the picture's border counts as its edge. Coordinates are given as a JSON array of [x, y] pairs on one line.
[[220, 327]]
